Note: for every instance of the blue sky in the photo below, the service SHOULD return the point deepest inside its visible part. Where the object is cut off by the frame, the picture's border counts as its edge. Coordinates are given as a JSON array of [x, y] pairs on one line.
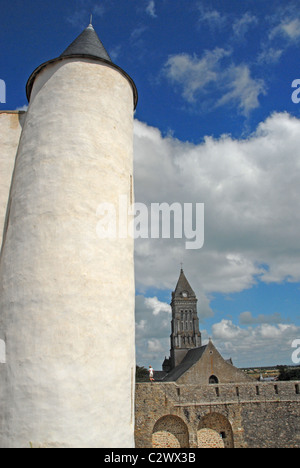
[[215, 124]]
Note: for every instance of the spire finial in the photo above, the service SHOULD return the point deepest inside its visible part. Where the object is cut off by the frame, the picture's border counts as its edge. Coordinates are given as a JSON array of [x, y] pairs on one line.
[[90, 26], [181, 265]]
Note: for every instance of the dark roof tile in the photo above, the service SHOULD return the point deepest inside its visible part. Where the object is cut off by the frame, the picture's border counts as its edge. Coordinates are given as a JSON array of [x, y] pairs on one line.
[[189, 360], [87, 43]]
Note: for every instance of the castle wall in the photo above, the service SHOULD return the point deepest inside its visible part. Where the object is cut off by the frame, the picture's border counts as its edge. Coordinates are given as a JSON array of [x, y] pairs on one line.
[[10, 130], [247, 415]]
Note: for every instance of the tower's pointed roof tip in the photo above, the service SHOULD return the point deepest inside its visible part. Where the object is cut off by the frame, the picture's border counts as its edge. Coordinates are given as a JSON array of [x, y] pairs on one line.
[[183, 285], [86, 45]]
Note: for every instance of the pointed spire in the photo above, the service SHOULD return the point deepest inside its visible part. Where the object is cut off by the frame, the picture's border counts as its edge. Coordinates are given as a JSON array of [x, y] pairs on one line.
[[87, 43], [183, 286]]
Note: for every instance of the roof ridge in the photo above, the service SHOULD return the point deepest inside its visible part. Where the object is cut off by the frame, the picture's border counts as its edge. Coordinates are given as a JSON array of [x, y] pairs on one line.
[[189, 360]]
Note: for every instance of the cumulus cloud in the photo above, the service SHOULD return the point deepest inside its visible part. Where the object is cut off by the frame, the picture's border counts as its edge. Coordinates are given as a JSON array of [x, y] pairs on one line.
[[153, 327], [250, 189], [270, 343], [157, 306], [210, 75]]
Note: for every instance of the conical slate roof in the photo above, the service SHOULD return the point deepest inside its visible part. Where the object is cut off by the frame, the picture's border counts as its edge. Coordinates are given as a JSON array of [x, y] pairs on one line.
[[86, 45], [183, 286]]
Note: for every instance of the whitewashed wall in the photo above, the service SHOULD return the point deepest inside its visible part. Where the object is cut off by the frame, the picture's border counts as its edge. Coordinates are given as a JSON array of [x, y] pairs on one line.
[[66, 296]]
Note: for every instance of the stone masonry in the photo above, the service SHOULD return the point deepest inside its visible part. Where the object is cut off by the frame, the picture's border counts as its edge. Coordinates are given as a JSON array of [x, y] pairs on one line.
[[236, 415]]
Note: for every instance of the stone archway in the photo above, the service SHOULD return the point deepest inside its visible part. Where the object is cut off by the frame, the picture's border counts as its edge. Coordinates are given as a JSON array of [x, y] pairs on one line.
[[215, 431], [170, 432]]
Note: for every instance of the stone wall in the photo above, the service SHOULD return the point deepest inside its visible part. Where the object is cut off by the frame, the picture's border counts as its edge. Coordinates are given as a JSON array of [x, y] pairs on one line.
[[245, 415]]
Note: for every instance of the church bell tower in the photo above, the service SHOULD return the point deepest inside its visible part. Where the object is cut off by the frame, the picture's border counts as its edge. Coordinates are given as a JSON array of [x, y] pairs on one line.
[[185, 334]]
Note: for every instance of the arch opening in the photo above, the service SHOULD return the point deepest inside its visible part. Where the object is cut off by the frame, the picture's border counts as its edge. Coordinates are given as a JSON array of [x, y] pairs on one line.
[[215, 431], [213, 379], [170, 432]]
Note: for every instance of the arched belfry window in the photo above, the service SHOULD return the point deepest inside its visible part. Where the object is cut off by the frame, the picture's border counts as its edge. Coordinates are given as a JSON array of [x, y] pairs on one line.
[[213, 379]]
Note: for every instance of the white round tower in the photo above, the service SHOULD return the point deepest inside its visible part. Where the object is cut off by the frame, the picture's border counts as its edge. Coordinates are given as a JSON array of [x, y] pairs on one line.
[[66, 295]]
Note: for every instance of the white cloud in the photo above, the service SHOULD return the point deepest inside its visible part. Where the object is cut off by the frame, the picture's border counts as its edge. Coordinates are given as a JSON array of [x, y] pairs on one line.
[[23, 108], [155, 346], [212, 17], [153, 327], [288, 28], [208, 76], [241, 26], [251, 191], [150, 9], [157, 306], [192, 73], [269, 55], [243, 89], [226, 331], [265, 344], [282, 30]]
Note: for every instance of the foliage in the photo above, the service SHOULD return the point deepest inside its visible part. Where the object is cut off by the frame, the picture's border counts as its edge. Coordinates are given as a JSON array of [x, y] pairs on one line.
[[142, 374], [289, 373]]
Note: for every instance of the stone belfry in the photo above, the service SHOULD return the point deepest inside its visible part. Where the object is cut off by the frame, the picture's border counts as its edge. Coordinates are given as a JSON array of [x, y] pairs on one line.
[[67, 295], [185, 333]]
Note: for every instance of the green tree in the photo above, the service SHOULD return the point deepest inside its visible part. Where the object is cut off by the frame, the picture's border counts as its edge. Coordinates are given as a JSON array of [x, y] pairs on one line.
[[142, 374], [289, 373]]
